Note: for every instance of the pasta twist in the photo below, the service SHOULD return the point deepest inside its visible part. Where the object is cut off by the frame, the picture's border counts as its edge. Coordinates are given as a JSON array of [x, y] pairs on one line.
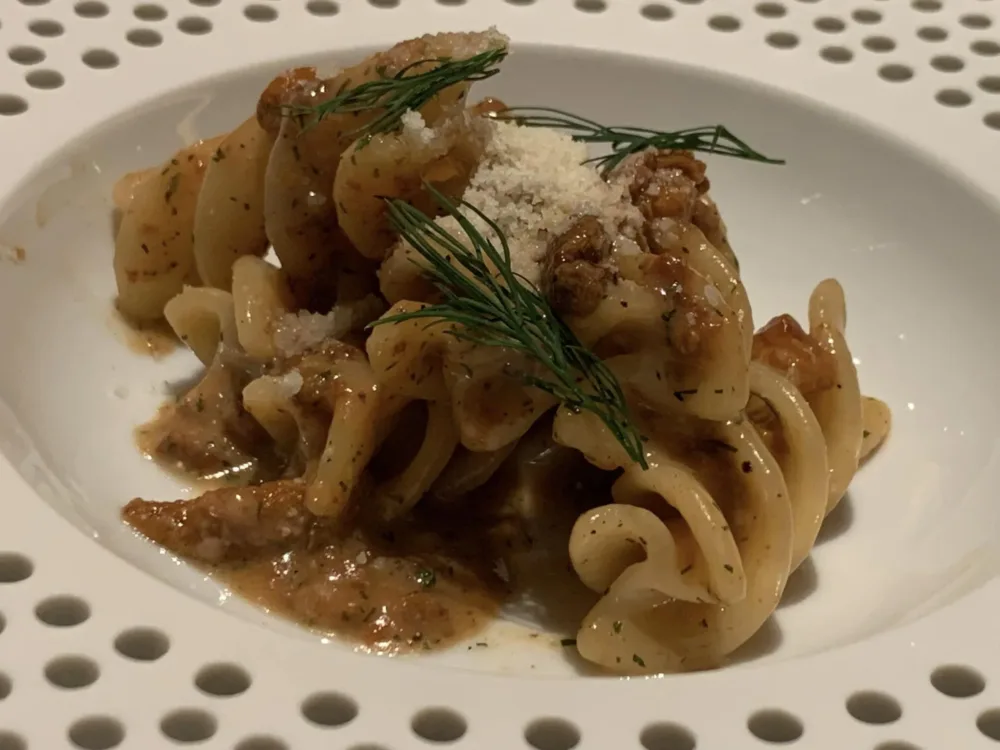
[[270, 181], [694, 554], [473, 402]]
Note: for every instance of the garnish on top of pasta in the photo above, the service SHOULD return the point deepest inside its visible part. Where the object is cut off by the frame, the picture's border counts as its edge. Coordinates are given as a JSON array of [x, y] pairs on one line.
[[482, 356]]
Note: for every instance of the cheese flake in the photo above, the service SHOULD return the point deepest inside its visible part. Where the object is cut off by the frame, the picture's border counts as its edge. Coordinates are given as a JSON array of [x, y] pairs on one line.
[[533, 183]]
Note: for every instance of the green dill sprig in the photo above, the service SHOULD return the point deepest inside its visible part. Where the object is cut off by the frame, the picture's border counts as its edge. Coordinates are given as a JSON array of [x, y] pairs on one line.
[[626, 140], [407, 90], [487, 303]]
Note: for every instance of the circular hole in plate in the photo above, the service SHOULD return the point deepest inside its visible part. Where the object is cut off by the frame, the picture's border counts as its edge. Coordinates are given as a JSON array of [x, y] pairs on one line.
[[863, 15], [932, 33], [144, 37], [34, 2], [24, 55], [196, 25], [45, 79], [896, 745], [690, 2], [829, 24], [774, 725], [871, 707], [667, 736], [771, 10], [656, 12], [63, 611], [100, 59], [953, 98], [11, 741], [879, 44], [947, 63], [46, 27], [142, 644], [329, 709], [97, 733], [189, 725], [986, 48], [990, 84], [988, 722], [783, 40], [395, 3], [14, 567], [591, 6], [836, 54], [927, 6], [11, 105], [261, 742], [895, 72], [992, 120], [72, 672], [322, 7], [975, 21], [5, 686], [552, 734], [205, 3], [439, 725], [3, 622], [957, 681], [260, 13], [222, 680], [724, 23], [91, 9], [149, 12]]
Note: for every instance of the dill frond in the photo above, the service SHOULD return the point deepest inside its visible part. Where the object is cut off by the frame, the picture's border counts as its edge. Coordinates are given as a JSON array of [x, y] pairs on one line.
[[487, 303], [406, 90], [627, 140]]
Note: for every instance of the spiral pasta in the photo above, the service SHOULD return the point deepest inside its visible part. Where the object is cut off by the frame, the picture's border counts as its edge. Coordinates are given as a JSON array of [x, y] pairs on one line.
[[683, 593], [366, 429], [271, 181]]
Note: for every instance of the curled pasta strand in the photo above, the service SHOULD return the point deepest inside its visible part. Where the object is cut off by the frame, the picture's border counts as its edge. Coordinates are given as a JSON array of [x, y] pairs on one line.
[[203, 319], [153, 248], [877, 420], [669, 482], [301, 212], [838, 409], [260, 297], [352, 395], [397, 496], [229, 218], [803, 455], [629, 549], [401, 165], [270, 400]]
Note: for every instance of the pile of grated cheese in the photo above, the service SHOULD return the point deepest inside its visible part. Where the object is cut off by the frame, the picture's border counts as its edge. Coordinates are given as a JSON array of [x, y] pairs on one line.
[[532, 182]]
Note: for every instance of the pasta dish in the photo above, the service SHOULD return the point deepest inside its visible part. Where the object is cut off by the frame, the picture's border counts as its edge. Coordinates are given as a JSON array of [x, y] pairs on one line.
[[480, 355]]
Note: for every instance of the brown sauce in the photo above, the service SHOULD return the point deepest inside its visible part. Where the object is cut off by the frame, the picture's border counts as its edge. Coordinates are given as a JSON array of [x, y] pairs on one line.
[[415, 592], [155, 340], [206, 435], [427, 582]]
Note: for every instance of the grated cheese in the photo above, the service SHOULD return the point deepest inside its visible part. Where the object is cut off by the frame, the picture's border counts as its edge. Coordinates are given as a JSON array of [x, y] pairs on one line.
[[532, 182], [296, 332], [415, 128]]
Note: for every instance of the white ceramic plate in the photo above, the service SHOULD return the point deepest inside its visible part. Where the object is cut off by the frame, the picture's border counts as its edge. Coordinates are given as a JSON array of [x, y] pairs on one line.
[[911, 238]]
